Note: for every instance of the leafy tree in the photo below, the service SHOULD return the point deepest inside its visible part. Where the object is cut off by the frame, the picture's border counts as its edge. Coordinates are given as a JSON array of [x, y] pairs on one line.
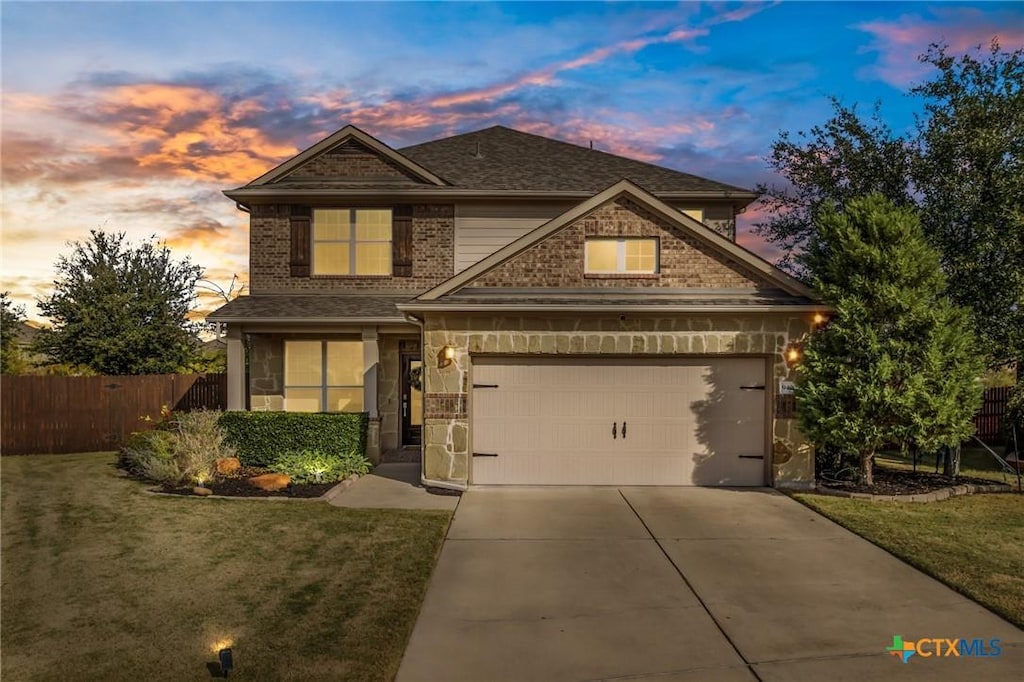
[[962, 167], [846, 157], [11, 318], [121, 309], [897, 363], [970, 172]]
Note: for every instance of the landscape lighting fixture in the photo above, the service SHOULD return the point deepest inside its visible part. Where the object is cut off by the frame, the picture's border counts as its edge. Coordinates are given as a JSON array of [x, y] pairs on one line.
[[224, 657]]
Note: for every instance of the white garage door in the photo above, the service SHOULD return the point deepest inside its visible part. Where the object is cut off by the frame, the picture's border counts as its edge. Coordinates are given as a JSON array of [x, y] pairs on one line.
[[594, 421]]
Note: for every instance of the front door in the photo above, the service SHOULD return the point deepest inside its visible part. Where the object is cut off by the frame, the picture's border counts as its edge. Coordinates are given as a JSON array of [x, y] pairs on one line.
[[412, 398]]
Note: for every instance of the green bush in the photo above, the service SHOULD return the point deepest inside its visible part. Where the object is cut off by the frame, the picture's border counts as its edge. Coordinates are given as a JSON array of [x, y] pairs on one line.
[[261, 438], [313, 466], [185, 452]]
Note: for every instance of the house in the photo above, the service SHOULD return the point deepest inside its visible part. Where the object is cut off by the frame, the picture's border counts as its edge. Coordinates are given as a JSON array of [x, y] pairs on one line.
[[522, 310]]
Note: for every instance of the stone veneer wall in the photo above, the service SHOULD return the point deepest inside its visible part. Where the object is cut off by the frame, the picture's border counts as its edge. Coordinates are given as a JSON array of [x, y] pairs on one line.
[[684, 261], [433, 254], [446, 423]]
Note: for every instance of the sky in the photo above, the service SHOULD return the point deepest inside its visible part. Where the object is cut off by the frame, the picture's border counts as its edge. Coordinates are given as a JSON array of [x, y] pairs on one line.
[[134, 116]]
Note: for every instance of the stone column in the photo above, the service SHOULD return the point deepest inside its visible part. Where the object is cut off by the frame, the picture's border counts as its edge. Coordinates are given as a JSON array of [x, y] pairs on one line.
[[371, 358], [236, 368]]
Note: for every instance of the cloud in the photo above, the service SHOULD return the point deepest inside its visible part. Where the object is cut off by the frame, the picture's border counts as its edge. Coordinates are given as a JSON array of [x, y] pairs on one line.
[[900, 42]]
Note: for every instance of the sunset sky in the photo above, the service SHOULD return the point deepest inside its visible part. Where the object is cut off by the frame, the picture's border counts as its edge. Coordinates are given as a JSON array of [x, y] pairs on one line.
[[134, 116]]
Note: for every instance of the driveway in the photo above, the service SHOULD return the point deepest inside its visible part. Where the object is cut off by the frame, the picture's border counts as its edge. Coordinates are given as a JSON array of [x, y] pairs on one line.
[[680, 584]]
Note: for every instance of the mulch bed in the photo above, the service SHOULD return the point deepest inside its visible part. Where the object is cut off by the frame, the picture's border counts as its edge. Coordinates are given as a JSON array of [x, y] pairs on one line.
[[901, 482], [238, 486]]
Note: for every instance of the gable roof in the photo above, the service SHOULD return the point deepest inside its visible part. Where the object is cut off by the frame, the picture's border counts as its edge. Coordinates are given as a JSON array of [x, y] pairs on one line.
[[500, 158], [339, 138], [683, 222]]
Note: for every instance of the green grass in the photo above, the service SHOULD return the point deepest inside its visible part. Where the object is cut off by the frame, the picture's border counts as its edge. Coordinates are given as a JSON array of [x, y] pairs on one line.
[[101, 581], [974, 544], [976, 462]]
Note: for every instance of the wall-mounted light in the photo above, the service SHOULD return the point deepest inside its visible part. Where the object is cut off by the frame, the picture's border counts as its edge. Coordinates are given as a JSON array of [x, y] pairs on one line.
[[445, 356], [819, 320], [793, 353]]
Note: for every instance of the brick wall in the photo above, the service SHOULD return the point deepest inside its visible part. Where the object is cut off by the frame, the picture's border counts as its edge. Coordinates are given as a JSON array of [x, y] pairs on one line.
[[433, 234], [685, 261], [350, 160]]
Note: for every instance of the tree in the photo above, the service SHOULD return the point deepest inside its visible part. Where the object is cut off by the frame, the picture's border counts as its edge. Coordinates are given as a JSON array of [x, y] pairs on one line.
[[970, 171], [11, 318], [962, 167], [121, 309], [844, 158], [897, 363]]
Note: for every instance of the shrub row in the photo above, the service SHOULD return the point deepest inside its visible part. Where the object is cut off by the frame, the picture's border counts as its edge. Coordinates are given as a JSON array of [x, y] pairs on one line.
[[261, 438]]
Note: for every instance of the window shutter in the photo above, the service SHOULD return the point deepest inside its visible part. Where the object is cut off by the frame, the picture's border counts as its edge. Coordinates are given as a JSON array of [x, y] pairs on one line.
[[401, 241], [301, 229]]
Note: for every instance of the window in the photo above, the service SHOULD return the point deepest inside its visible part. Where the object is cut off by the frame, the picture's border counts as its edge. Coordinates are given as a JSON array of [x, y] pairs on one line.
[[621, 256], [323, 376], [352, 241], [695, 213]]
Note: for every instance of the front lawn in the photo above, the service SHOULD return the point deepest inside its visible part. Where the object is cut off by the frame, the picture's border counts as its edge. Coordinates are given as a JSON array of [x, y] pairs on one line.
[[975, 462], [101, 581], [974, 544]]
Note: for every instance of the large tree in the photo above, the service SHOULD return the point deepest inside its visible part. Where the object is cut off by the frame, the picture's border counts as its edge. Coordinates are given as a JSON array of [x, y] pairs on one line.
[[11, 318], [962, 166], [898, 362], [119, 308]]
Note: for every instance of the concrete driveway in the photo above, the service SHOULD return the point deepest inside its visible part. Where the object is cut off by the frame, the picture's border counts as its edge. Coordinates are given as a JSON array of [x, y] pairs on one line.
[[680, 584]]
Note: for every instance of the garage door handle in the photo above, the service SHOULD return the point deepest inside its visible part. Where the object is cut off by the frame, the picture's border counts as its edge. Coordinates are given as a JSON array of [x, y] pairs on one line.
[[756, 387], [485, 454], [485, 385], [623, 430], [614, 436], [751, 456]]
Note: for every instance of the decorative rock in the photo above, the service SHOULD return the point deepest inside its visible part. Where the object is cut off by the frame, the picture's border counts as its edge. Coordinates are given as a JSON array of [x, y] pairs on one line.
[[270, 482], [227, 465], [201, 491]]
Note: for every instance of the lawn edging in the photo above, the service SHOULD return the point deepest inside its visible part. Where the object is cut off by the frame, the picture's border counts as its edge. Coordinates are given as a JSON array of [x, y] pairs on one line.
[[326, 497], [933, 496]]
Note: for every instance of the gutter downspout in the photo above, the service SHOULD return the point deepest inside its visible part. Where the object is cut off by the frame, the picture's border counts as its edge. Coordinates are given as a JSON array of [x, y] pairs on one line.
[[426, 482]]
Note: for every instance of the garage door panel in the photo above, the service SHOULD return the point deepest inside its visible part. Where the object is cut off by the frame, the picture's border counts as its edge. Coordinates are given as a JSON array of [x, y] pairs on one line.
[[550, 421]]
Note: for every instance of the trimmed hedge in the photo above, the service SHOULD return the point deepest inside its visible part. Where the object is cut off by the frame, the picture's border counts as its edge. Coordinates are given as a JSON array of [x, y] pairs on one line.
[[260, 437]]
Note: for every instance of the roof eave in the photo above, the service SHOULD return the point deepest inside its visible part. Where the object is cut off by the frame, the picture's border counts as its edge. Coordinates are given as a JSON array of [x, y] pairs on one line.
[[306, 320], [241, 194], [429, 307]]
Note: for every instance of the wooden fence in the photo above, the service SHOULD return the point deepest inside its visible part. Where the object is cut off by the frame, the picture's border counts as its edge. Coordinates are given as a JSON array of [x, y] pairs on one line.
[[51, 414], [989, 420]]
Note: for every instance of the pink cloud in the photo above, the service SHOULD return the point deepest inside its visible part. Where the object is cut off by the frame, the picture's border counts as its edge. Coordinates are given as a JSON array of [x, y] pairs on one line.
[[900, 42]]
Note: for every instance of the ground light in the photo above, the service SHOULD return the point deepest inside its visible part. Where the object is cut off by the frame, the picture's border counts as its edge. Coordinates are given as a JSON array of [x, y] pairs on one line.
[[226, 662]]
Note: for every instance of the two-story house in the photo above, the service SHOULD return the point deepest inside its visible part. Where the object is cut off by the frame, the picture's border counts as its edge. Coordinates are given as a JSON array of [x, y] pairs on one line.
[[520, 310]]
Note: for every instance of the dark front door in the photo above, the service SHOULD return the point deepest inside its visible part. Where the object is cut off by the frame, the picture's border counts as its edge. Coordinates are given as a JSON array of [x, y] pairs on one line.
[[412, 398]]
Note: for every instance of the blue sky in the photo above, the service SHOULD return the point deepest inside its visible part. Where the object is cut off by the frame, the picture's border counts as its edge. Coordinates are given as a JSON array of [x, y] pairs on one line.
[[133, 116]]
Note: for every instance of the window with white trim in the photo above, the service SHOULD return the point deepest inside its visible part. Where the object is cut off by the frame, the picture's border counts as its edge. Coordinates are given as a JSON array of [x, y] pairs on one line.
[[629, 256], [323, 376], [351, 241]]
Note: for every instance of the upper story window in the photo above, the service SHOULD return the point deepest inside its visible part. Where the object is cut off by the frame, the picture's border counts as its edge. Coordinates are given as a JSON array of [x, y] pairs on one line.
[[695, 213], [628, 256], [352, 241]]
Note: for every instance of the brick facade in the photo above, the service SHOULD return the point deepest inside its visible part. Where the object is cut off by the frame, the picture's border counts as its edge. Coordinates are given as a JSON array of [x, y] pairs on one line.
[[685, 262], [433, 234], [350, 160]]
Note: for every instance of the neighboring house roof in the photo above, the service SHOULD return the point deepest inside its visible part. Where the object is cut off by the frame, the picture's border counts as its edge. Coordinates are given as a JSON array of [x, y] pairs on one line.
[[495, 161], [785, 289], [501, 158], [362, 308]]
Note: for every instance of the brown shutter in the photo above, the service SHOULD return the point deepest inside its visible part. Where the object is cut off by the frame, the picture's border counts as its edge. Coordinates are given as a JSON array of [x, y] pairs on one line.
[[401, 241], [301, 229]]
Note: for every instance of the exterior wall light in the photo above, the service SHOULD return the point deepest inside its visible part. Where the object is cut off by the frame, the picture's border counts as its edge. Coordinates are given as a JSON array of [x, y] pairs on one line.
[[819, 319], [445, 356], [793, 354]]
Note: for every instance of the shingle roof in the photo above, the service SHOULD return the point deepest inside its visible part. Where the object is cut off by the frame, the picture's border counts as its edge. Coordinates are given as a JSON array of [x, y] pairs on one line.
[[311, 307], [500, 158]]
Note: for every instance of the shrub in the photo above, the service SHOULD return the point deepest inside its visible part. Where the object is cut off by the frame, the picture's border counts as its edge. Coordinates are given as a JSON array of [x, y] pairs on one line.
[[261, 438], [313, 466], [199, 442], [185, 452]]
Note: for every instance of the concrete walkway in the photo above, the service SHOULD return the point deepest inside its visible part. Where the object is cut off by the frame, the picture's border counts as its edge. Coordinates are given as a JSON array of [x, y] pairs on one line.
[[680, 584], [393, 486]]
